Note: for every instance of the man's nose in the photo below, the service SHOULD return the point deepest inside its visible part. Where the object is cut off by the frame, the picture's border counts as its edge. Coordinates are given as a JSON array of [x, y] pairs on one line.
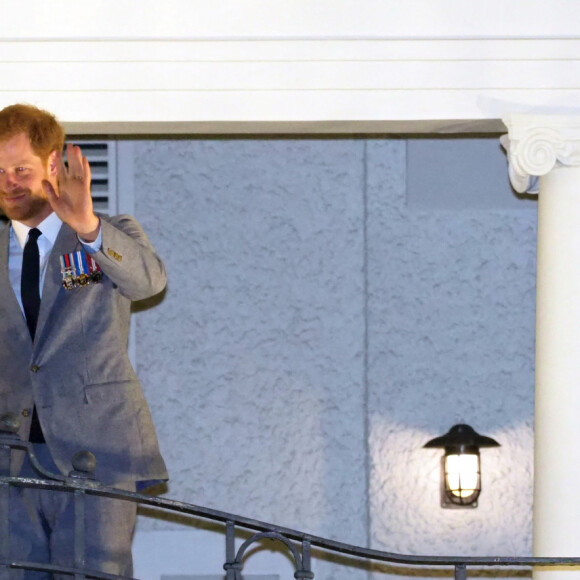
[[8, 180]]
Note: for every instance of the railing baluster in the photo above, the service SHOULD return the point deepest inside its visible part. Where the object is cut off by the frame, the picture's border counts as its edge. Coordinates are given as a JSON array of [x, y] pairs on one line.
[[229, 566], [79, 541], [460, 572], [4, 524], [84, 464], [306, 572], [9, 425]]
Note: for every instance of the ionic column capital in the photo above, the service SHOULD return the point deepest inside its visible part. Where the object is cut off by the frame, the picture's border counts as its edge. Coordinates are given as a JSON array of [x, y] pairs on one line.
[[535, 144]]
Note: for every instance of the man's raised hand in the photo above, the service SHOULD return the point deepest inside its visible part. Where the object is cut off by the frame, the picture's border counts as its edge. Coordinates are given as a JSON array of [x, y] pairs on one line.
[[71, 200]]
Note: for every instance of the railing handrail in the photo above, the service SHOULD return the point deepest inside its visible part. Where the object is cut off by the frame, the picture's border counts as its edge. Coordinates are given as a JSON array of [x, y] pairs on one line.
[[260, 526], [80, 481]]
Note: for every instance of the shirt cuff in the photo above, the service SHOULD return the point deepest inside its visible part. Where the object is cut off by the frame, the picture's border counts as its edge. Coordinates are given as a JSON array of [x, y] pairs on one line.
[[93, 247]]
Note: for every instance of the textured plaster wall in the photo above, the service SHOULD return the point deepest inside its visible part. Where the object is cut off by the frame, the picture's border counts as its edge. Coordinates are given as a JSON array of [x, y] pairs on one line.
[[317, 330], [254, 362]]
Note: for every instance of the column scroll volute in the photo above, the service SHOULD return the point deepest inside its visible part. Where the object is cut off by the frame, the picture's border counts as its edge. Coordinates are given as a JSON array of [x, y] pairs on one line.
[[536, 144]]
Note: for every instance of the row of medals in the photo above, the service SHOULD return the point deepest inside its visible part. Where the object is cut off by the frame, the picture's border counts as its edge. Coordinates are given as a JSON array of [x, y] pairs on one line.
[[90, 273]]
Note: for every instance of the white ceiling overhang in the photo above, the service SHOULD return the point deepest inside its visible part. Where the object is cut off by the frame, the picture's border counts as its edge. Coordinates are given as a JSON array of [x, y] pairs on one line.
[[325, 66]]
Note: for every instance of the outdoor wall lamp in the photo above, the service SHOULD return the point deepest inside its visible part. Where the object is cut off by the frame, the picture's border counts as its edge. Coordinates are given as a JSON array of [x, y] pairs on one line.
[[460, 465]]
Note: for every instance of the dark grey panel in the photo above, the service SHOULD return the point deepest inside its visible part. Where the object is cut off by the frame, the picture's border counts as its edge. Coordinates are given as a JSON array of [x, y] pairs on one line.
[[459, 173]]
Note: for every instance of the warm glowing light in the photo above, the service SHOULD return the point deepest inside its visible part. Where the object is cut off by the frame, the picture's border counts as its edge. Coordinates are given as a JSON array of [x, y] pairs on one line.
[[462, 474]]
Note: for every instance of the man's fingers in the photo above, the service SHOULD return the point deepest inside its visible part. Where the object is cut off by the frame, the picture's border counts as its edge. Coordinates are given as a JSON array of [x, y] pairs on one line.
[[87, 170], [75, 160]]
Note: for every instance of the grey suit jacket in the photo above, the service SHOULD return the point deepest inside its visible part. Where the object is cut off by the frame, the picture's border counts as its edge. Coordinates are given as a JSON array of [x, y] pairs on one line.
[[77, 372]]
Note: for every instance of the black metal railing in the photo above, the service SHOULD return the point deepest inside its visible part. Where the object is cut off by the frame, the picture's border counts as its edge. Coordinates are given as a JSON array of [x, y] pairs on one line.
[[80, 482]]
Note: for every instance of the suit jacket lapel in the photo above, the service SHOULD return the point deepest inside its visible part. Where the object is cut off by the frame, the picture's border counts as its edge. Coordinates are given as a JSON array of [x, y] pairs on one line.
[[65, 242], [7, 297]]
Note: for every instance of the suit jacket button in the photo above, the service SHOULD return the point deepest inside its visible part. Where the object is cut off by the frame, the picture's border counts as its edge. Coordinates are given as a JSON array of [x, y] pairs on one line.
[[34, 368], [25, 412]]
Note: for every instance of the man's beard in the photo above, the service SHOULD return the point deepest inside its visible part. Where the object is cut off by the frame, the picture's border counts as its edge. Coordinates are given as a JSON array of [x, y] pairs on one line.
[[36, 205]]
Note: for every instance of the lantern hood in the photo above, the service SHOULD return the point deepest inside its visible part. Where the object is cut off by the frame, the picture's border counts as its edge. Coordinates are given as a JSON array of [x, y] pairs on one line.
[[462, 436]]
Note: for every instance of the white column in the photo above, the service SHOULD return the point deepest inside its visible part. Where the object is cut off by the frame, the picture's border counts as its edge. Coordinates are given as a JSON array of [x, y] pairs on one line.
[[549, 147]]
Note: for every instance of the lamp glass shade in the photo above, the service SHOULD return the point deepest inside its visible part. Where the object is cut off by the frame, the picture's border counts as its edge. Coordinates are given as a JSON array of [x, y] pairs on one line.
[[462, 477]]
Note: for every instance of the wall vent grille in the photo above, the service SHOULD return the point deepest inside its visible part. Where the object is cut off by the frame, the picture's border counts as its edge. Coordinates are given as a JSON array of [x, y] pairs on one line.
[[102, 157]]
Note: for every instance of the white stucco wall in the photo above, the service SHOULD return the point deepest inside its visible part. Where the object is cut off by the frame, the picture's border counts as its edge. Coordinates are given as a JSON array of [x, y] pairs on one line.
[[317, 330]]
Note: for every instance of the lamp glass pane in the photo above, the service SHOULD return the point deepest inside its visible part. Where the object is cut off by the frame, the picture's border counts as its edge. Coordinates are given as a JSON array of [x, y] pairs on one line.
[[462, 474]]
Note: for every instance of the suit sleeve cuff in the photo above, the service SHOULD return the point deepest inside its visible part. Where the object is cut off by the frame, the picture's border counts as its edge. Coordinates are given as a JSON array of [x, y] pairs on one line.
[[93, 247]]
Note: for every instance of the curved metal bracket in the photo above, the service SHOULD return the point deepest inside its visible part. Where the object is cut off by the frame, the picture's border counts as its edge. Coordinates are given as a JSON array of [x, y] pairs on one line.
[[301, 564]]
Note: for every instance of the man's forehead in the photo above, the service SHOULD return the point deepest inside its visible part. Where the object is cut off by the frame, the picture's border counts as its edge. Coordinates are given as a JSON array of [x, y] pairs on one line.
[[17, 148]]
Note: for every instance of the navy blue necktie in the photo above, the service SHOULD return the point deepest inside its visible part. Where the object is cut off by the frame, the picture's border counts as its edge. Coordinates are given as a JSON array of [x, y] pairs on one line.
[[30, 280], [30, 292]]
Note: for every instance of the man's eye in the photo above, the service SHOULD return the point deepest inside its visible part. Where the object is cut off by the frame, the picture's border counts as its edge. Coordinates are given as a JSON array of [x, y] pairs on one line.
[[20, 169]]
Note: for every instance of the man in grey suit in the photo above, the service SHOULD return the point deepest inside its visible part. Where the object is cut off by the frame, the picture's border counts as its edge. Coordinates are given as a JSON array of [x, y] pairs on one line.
[[64, 369]]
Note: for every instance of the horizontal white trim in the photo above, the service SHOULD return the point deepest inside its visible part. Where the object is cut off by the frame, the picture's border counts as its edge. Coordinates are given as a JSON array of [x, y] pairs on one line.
[[290, 76], [92, 112], [27, 19], [305, 38], [289, 51]]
